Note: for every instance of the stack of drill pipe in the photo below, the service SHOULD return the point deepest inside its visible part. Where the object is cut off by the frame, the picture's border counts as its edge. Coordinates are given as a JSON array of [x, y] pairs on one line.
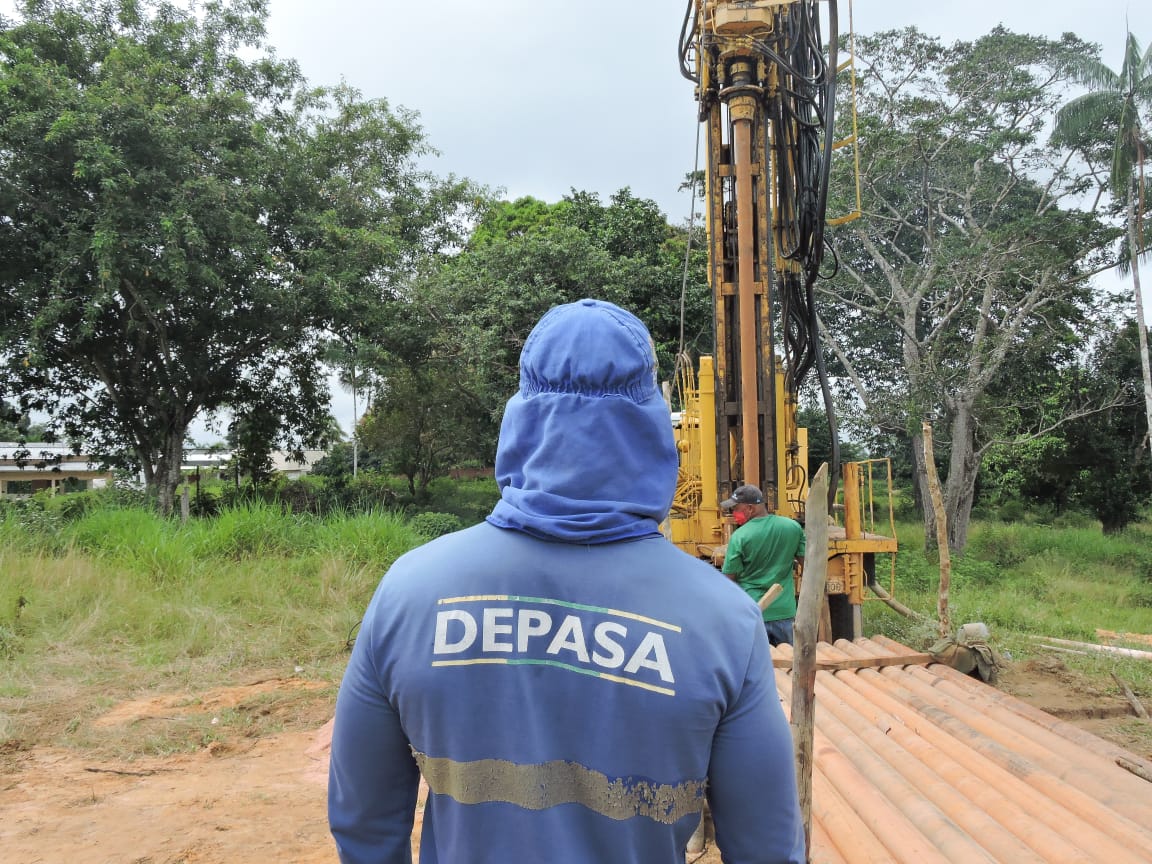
[[1083, 740], [920, 764]]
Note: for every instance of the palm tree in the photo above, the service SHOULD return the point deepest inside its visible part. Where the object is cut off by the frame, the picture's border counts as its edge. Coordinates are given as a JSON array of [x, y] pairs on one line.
[[1114, 103]]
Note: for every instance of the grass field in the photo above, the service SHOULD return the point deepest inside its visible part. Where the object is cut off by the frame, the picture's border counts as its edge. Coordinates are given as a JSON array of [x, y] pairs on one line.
[[1027, 581], [118, 603], [121, 602]]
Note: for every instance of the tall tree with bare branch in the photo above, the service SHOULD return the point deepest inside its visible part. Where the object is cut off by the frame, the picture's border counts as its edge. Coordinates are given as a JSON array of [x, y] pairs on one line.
[[963, 291]]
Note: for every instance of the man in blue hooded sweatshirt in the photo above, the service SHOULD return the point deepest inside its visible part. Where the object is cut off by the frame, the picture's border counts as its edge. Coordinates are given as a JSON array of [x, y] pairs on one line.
[[570, 684]]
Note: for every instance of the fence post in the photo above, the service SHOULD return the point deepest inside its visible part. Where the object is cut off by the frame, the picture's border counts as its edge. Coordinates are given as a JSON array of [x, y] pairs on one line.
[[806, 633]]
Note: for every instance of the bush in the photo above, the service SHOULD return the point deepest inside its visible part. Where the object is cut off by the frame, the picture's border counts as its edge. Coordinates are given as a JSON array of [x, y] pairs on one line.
[[972, 572], [1142, 596], [432, 525], [1011, 511], [255, 529], [372, 540], [129, 536], [1136, 557], [915, 572], [73, 506], [470, 500], [1001, 546], [368, 491], [36, 526], [205, 501], [904, 506], [299, 496]]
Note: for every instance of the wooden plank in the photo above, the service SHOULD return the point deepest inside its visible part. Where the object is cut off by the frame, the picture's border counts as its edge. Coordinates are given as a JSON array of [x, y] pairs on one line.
[[1052, 643], [1136, 704], [916, 659], [1113, 636]]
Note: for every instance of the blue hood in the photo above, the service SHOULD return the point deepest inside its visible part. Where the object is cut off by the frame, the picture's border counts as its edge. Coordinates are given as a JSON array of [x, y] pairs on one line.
[[586, 453]]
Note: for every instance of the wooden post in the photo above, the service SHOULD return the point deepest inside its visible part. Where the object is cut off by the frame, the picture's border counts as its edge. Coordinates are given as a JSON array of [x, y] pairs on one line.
[[1136, 704], [941, 531], [184, 504], [895, 604], [804, 651]]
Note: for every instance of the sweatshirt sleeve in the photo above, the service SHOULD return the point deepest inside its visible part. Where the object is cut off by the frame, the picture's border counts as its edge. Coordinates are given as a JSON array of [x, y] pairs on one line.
[[752, 777], [373, 779]]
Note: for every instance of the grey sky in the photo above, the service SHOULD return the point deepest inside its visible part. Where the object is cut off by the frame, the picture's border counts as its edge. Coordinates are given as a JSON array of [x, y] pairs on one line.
[[539, 96]]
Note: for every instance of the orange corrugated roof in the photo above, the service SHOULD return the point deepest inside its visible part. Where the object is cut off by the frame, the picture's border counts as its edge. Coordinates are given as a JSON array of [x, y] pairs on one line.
[[915, 762]]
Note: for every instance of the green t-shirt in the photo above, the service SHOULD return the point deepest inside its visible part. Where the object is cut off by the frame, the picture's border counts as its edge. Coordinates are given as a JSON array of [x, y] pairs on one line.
[[760, 555]]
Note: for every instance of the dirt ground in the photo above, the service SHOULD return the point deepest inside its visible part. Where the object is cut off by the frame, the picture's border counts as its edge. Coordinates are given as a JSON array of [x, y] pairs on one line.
[[255, 792]]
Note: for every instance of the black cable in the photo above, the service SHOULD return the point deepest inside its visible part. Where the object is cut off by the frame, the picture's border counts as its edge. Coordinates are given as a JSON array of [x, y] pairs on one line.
[[829, 134], [804, 110], [801, 114], [814, 267], [687, 32], [830, 414], [350, 641]]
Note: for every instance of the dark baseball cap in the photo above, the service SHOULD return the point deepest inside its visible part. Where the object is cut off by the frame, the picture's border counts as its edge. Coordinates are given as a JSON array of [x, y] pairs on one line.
[[743, 495]]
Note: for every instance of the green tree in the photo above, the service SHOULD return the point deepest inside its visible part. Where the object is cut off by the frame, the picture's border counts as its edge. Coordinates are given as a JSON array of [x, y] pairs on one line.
[[337, 465], [505, 220], [252, 438], [414, 425], [17, 427], [1117, 103], [1095, 461], [628, 227], [1108, 446], [489, 298], [185, 221], [815, 420], [964, 280], [460, 331]]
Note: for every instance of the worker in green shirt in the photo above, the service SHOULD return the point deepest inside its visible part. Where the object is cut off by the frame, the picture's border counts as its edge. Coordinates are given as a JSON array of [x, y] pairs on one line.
[[763, 552]]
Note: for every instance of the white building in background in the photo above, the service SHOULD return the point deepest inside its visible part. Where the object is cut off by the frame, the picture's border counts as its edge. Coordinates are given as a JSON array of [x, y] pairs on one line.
[[211, 462], [30, 468], [283, 463]]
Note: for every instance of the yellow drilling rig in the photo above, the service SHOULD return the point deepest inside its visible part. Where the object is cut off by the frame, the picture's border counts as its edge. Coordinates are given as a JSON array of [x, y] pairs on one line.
[[765, 80]]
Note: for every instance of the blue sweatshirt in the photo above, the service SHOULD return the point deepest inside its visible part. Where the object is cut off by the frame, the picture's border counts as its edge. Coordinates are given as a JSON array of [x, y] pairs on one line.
[[570, 684]]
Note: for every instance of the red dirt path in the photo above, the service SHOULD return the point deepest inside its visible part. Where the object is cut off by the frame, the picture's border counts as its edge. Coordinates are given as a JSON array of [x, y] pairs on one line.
[[243, 800]]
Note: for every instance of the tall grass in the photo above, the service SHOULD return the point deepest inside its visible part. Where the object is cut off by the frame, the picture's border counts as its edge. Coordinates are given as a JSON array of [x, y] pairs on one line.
[[121, 601], [1028, 581]]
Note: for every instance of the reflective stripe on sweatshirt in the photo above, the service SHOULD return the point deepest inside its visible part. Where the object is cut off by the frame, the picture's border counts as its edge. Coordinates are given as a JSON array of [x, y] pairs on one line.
[[548, 784]]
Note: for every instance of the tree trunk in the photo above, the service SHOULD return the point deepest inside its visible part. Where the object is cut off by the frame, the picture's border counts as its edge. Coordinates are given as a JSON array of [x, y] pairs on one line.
[[167, 476], [959, 486], [1141, 326], [923, 495], [943, 615], [963, 469]]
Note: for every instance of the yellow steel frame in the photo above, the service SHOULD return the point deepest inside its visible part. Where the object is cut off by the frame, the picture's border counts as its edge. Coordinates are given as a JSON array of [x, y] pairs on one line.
[[738, 419]]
